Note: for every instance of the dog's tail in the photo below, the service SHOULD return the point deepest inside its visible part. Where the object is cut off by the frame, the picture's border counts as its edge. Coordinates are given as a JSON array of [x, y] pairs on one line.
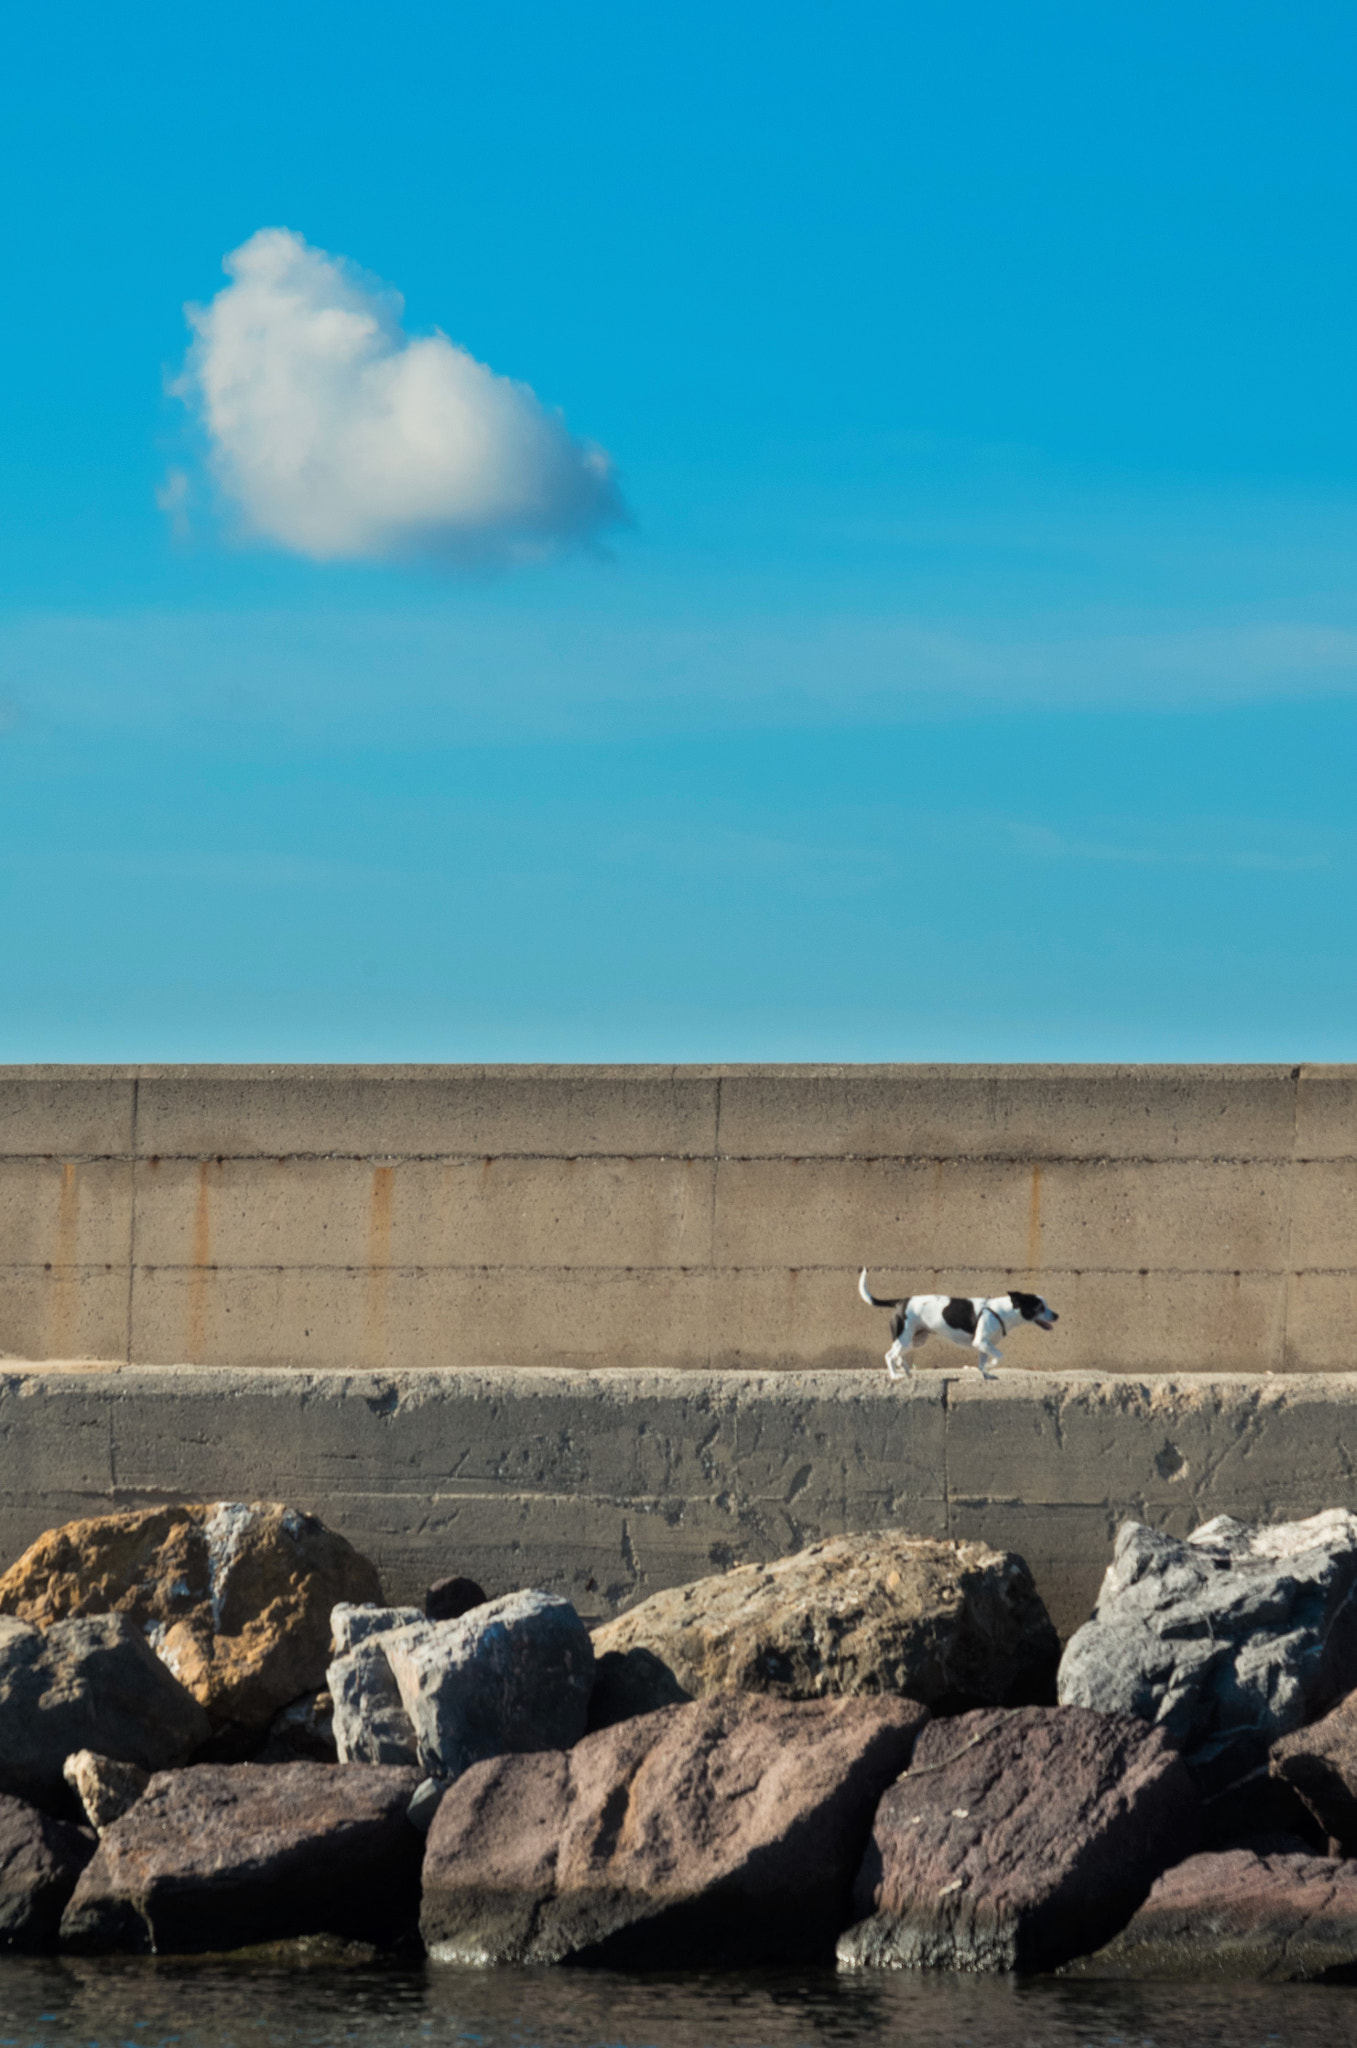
[[872, 1300]]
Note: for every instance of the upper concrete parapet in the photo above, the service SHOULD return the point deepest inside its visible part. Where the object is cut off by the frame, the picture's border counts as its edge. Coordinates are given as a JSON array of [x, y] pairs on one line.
[[383, 1218]]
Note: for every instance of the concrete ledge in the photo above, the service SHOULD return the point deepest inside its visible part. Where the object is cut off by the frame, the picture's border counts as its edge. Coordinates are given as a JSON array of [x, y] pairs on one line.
[[609, 1485]]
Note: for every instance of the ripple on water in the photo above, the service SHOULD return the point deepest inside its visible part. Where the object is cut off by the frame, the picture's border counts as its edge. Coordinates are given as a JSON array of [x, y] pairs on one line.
[[135, 2003]]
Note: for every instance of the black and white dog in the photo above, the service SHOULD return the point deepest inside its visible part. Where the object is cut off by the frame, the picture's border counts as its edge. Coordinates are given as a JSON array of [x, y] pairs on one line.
[[971, 1319]]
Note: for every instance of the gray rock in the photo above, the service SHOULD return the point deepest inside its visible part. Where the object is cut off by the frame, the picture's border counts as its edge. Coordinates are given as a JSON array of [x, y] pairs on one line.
[[370, 1723], [1227, 1639], [352, 1623], [226, 1855], [40, 1860], [87, 1684], [1017, 1839], [104, 1787], [513, 1675], [425, 1802]]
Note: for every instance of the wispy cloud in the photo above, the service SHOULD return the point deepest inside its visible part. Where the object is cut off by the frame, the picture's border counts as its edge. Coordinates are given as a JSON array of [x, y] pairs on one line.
[[337, 435]]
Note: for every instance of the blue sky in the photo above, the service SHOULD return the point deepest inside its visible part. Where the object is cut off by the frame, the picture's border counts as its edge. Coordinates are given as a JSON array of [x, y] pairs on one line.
[[935, 633]]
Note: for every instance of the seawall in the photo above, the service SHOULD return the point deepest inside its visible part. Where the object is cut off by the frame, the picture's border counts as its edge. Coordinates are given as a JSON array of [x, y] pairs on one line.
[[1182, 1219]]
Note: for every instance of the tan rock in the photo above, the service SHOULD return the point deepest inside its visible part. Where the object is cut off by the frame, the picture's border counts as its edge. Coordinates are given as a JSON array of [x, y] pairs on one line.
[[235, 1599], [104, 1786], [952, 1624]]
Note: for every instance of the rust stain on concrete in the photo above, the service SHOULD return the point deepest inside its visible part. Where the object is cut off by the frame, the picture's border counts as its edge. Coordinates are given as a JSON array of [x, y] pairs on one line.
[[200, 1260], [64, 1298], [379, 1260], [1034, 1225]]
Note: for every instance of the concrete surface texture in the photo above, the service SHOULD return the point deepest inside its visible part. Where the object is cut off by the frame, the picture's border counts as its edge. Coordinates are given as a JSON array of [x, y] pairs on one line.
[[1181, 1219], [607, 1486]]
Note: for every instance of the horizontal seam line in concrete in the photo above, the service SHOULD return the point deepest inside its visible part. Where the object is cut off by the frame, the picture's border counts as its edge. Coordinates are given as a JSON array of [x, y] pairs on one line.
[[677, 1156], [698, 1268]]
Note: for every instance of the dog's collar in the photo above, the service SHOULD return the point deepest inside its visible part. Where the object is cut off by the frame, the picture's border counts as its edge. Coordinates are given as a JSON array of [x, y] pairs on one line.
[[997, 1317]]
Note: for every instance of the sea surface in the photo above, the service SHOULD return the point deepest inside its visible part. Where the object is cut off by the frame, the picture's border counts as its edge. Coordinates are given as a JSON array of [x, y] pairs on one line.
[[137, 2003]]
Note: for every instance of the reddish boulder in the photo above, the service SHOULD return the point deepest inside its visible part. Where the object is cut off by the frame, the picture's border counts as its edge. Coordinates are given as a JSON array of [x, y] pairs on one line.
[[223, 1855], [721, 1832], [40, 1860], [1273, 1918], [1017, 1840], [1320, 1763]]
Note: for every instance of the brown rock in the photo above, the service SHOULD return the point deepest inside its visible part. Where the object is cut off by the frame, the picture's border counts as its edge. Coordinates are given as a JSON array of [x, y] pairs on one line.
[[104, 1787], [726, 1831], [952, 1624], [1017, 1840], [235, 1599], [1279, 1919], [450, 1599], [223, 1855], [1320, 1764], [40, 1860]]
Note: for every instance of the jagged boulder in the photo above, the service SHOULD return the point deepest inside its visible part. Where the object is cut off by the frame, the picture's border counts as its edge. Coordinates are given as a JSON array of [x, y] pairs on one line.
[[722, 1832], [369, 1720], [40, 1860], [225, 1855], [1319, 1763], [1239, 1915], [952, 1624], [1228, 1639], [1017, 1840], [89, 1684], [234, 1598]]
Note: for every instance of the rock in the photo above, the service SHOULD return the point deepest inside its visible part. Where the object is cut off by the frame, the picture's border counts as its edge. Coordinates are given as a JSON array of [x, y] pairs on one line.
[[450, 1599], [630, 1682], [952, 1624], [92, 1684], [727, 1831], [1319, 1764], [40, 1860], [302, 1733], [1016, 1840], [1258, 1811], [427, 1798], [1228, 1639], [1240, 1915], [512, 1675], [223, 1855], [104, 1787], [351, 1625], [236, 1599], [370, 1723]]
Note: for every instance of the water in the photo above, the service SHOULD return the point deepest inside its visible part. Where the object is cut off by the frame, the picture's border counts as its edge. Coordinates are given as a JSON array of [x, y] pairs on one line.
[[135, 2003]]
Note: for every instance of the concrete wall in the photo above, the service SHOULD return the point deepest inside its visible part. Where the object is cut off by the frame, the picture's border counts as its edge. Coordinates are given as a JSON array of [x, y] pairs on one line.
[[609, 1485], [1180, 1218]]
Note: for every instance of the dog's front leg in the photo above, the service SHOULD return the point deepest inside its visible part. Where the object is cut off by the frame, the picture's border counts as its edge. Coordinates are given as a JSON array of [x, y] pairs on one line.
[[985, 1357]]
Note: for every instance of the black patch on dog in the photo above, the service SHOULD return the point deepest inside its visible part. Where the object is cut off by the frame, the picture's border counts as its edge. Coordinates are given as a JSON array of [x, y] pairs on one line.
[[897, 1324], [959, 1314], [1029, 1306]]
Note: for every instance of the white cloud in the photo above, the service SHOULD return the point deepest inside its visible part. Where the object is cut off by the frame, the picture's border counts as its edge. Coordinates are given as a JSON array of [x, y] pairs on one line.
[[338, 435]]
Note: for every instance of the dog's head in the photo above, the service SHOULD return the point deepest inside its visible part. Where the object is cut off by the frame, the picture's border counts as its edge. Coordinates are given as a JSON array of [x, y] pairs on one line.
[[1033, 1309]]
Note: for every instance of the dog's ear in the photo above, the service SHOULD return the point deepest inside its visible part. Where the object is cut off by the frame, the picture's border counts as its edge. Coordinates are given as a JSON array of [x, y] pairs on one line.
[[1027, 1305]]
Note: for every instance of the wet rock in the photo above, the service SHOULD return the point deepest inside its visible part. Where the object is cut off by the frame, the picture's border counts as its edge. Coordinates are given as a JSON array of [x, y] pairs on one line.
[[1319, 1765], [630, 1682], [951, 1624], [1228, 1639], [1240, 1915], [104, 1787], [1017, 1840], [92, 1684], [225, 1855], [369, 1720], [302, 1733], [727, 1831], [352, 1624], [450, 1599], [235, 1598], [512, 1675], [40, 1860]]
